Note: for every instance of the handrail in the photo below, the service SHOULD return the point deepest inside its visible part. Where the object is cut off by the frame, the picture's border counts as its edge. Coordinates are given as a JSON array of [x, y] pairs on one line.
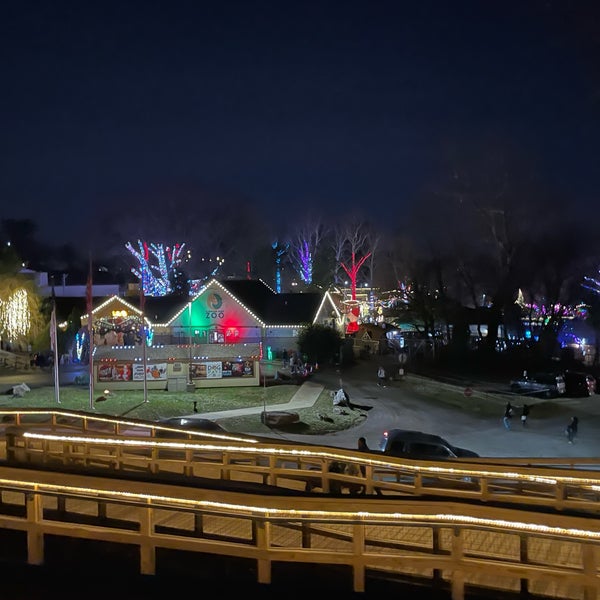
[[554, 556], [308, 468], [96, 422]]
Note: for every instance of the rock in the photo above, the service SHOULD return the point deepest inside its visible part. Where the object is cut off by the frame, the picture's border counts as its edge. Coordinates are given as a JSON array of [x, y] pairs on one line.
[[20, 390], [279, 417]]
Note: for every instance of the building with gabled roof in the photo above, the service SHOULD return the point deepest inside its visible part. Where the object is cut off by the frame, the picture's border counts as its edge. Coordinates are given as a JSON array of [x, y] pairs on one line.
[[216, 338]]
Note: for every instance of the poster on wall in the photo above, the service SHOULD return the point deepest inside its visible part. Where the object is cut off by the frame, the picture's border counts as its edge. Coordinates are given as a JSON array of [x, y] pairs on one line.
[[222, 369], [214, 370], [113, 372], [242, 368], [157, 372], [207, 370]]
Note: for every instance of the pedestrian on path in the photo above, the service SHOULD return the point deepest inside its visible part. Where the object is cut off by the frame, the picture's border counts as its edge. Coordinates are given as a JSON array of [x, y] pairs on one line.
[[363, 447], [571, 429], [524, 415], [381, 376], [508, 413]]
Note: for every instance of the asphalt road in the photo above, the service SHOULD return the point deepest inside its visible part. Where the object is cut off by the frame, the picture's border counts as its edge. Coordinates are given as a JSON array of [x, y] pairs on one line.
[[473, 422]]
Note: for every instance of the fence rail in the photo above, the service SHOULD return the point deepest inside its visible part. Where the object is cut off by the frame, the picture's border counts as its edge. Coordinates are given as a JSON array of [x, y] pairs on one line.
[[460, 546], [517, 526], [315, 469]]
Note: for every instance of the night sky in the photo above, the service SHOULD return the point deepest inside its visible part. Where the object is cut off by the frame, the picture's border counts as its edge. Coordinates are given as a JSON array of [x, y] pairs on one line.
[[287, 106]]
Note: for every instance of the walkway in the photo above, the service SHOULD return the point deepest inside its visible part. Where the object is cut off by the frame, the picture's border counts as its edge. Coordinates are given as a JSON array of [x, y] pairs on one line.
[[306, 396]]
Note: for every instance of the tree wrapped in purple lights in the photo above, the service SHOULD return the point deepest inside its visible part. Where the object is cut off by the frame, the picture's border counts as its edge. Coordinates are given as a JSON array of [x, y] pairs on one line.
[[305, 264], [155, 279]]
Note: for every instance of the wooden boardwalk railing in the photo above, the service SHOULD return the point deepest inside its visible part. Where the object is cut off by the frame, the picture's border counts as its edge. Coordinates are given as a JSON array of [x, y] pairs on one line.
[[461, 524], [314, 468], [461, 545]]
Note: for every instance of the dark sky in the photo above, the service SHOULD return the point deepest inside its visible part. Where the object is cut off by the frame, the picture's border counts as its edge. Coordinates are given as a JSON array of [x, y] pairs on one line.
[[285, 105]]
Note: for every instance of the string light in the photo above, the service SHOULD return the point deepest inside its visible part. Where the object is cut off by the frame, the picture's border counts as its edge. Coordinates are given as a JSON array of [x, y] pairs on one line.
[[15, 318]]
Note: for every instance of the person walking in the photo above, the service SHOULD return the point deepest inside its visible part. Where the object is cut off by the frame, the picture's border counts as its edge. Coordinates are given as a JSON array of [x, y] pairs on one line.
[[571, 429], [362, 446], [381, 376], [524, 414], [508, 413]]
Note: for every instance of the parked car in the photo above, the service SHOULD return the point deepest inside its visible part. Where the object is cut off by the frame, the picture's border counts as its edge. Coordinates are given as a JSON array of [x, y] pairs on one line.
[[579, 384], [408, 443], [541, 385], [196, 424]]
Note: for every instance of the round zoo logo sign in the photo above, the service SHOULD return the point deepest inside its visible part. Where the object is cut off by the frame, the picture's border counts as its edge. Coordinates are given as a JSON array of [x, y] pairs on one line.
[[214, 303]]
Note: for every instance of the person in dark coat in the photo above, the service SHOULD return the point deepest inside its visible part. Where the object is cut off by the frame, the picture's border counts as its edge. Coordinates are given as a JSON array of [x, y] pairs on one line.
[[571, 430], [362, 447], [508, 413]]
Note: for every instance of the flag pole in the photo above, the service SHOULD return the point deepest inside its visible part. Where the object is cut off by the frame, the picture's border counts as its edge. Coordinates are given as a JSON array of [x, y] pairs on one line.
[[142, 308], [54, 345], [89, 299]]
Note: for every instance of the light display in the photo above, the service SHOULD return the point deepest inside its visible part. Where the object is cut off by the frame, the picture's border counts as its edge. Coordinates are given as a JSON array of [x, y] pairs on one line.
[[215, 265], [592, 284], [155, 279], [305, 262], [15, 318], [79, 344], [279, 251], [353, 304], [543, 313]]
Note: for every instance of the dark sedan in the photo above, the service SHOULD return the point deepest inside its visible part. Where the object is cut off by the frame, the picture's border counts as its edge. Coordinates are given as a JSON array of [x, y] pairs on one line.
[[541, 385], [418, 445]]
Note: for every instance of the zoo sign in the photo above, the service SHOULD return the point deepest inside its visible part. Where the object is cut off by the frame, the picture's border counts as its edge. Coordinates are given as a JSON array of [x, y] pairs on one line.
[[214, 304]]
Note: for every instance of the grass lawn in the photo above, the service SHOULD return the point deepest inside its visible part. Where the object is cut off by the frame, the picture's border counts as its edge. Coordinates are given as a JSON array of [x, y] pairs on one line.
[[316, 420]]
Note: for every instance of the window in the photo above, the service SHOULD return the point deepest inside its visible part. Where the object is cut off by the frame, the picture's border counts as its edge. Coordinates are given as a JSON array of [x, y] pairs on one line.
[[430, 450]]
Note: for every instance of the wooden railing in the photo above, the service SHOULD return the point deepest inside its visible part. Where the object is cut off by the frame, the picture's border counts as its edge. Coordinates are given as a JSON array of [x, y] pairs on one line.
[[11, 360], [484, 530], [69, 441], [460, 546]]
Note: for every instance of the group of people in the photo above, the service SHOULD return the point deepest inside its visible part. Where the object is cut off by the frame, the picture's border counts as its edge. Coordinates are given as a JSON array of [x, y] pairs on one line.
[[570, 430], [295, 363], [509, 413]]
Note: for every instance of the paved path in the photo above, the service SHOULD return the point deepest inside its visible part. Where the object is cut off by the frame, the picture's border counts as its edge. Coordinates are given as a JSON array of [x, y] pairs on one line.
[[306, 396]]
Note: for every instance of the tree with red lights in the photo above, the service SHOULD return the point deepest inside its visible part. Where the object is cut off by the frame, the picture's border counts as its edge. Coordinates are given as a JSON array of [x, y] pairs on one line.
[[353, 273]]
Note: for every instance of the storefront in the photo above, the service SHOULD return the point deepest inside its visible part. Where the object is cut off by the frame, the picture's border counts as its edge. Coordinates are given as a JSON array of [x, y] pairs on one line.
[[215, 339]]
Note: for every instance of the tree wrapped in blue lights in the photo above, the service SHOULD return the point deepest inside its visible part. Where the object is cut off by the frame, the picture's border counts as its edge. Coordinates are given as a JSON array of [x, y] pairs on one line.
[[156, 279], [279, 251]]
